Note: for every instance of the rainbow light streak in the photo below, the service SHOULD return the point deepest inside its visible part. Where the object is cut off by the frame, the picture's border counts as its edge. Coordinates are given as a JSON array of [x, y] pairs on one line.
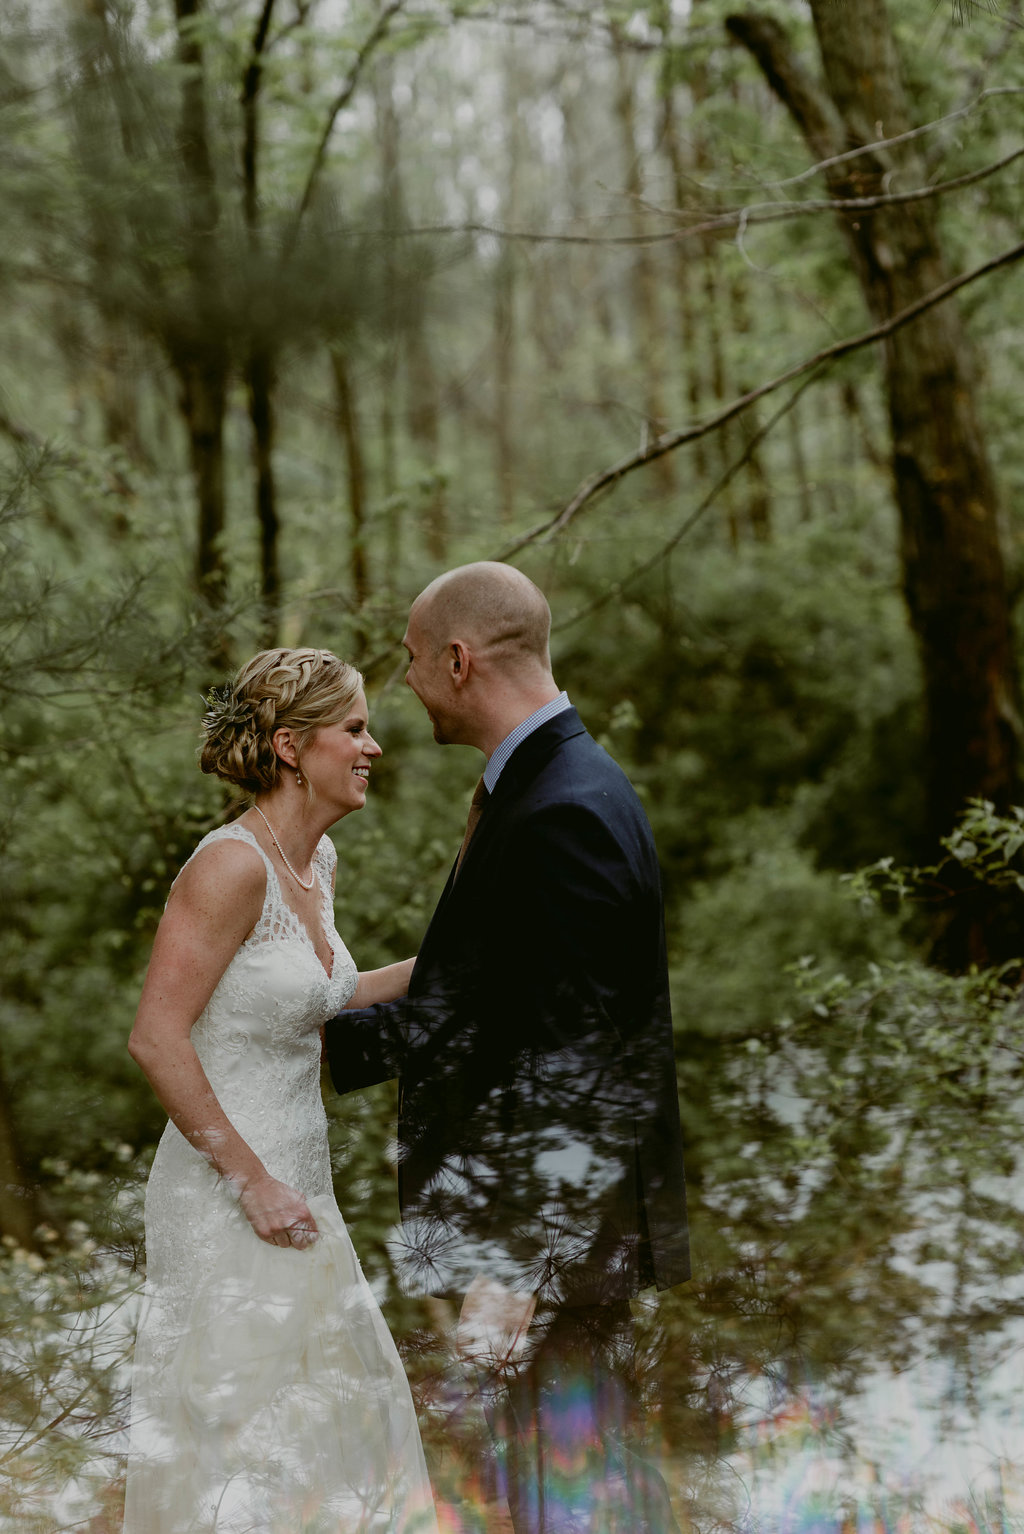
[[572, 1454], [895, 1465]]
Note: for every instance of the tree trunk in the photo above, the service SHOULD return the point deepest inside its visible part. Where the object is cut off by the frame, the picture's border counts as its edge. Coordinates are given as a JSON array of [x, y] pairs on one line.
[[100, 47], [758, 504], [260, 380], [425, 427], [954, 579], [260, 369], [587, 272], [504, 312], [799, 461], [18, 1216], [387, 373], [505, 373], [422, 414], [348, 426], [201, 357], [684, 274], [203, 404], [648, 323], [710, 298]]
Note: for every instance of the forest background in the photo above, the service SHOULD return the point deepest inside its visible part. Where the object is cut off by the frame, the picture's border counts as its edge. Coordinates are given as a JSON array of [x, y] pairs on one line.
[[710, 320]]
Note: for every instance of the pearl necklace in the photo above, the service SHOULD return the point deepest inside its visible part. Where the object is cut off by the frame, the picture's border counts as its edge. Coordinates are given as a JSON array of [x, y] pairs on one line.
[[277, 844]]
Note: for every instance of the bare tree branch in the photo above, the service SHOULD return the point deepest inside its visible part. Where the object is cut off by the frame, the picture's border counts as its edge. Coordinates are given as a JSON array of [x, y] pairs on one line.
[[734, 218], [617, 588], [807, 371], [900, 138], [341, 101], [771, 213], [669, 441]]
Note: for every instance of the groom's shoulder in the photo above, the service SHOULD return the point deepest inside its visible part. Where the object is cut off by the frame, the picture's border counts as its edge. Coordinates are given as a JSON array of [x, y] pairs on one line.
[[580, 771]]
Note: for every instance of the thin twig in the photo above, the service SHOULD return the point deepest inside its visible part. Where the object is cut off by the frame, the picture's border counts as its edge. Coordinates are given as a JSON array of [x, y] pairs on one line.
[[342, 100], [689, 522], [900, 138], [751, 213], [669, 441]]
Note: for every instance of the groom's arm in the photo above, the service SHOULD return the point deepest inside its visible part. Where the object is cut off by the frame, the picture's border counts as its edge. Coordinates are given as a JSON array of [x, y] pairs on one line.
[[365, 1045]]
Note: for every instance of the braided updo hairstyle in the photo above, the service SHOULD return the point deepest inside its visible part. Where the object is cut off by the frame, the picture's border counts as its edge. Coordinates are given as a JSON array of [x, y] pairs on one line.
[[299, 690]]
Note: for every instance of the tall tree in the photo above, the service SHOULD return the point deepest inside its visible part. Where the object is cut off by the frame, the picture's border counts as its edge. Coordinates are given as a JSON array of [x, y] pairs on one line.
[[685, 272], [200, 350], [954, 578], [649, 324], [506, 277], [259, 364], [18, 1217], [350, 431], [405, 326]]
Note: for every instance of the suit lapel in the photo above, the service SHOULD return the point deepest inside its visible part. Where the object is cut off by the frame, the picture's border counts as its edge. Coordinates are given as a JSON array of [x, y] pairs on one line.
[[528, 759], [522, 766]]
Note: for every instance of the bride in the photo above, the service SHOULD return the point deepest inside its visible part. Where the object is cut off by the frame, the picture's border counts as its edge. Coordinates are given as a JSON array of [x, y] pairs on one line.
[[267, 1393]]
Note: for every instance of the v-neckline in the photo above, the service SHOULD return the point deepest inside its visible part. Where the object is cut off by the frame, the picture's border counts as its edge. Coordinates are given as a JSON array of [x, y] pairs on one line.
[[304, 931]]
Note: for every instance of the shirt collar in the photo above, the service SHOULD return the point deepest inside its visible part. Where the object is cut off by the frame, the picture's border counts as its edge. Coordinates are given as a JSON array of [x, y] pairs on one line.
[[500, 755]]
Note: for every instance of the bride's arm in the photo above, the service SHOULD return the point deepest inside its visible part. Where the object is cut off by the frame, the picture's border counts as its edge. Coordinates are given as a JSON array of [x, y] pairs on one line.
[[213, 906], [386, 984]]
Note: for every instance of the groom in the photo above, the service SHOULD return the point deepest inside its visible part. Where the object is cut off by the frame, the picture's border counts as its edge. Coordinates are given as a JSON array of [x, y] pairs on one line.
[[540, 1159]]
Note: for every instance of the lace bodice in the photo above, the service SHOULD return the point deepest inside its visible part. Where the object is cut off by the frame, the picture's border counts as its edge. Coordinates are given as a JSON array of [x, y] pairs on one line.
[[258, 1040], [276, 992]]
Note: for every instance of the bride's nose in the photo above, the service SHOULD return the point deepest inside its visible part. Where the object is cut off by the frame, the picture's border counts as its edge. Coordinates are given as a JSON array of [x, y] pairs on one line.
[[371, 748]]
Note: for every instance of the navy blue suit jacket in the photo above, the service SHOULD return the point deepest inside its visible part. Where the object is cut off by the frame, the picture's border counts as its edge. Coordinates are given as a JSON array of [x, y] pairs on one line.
[[539, 1136]]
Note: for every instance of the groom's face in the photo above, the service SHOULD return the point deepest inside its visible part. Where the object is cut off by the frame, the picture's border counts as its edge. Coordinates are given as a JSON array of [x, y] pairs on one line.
[[429, 678]]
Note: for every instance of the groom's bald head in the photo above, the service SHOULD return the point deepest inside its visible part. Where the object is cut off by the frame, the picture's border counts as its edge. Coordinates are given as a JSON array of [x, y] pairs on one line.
[[494, 608], [478, 653]]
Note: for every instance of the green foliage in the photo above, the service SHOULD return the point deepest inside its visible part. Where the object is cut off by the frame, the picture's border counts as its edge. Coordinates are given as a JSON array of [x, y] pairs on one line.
[[853, 1174], [985, 845], [739, 934], [67, 1317], [852, 1141], [778, 676]]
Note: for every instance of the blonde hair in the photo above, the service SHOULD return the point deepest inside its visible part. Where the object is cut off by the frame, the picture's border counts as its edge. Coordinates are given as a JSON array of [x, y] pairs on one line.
[[299, 690]]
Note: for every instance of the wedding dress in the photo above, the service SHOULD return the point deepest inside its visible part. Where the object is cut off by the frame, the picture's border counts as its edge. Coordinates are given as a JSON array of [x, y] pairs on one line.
[[267, 1392]]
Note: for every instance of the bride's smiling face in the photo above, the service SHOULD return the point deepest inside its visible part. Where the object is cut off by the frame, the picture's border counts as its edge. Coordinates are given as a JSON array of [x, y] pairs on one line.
[[337, 761]]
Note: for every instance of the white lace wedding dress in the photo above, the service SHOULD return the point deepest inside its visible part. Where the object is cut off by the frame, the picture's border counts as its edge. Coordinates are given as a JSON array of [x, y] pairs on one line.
[[267, 1393]]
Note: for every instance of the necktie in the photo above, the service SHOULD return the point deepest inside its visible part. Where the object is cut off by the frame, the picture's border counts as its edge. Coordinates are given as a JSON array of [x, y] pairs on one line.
[[472, 820]]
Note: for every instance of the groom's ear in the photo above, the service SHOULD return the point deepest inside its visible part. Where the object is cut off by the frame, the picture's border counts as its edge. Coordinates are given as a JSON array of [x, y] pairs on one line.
[[458, 661]]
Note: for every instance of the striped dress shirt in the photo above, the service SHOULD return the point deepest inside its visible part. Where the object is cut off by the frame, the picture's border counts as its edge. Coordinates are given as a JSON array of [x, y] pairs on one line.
[[496, 764]]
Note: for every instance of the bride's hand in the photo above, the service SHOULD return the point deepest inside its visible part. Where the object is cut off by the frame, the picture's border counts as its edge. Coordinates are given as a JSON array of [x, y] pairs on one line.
[[277, 1214]]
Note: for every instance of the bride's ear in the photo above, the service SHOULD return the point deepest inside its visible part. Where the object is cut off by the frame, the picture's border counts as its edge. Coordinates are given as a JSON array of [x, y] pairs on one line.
[[283, 742]]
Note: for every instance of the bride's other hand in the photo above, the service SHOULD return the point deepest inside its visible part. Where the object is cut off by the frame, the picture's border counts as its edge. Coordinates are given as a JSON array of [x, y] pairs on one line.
[[277, 1214], [386, 984]]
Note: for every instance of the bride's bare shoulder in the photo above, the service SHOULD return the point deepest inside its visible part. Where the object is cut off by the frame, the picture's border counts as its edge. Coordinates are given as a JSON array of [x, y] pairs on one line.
[[223, 870]]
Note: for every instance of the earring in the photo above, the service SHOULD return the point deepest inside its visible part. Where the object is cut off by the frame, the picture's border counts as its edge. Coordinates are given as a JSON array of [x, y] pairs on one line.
[[298, 778]]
